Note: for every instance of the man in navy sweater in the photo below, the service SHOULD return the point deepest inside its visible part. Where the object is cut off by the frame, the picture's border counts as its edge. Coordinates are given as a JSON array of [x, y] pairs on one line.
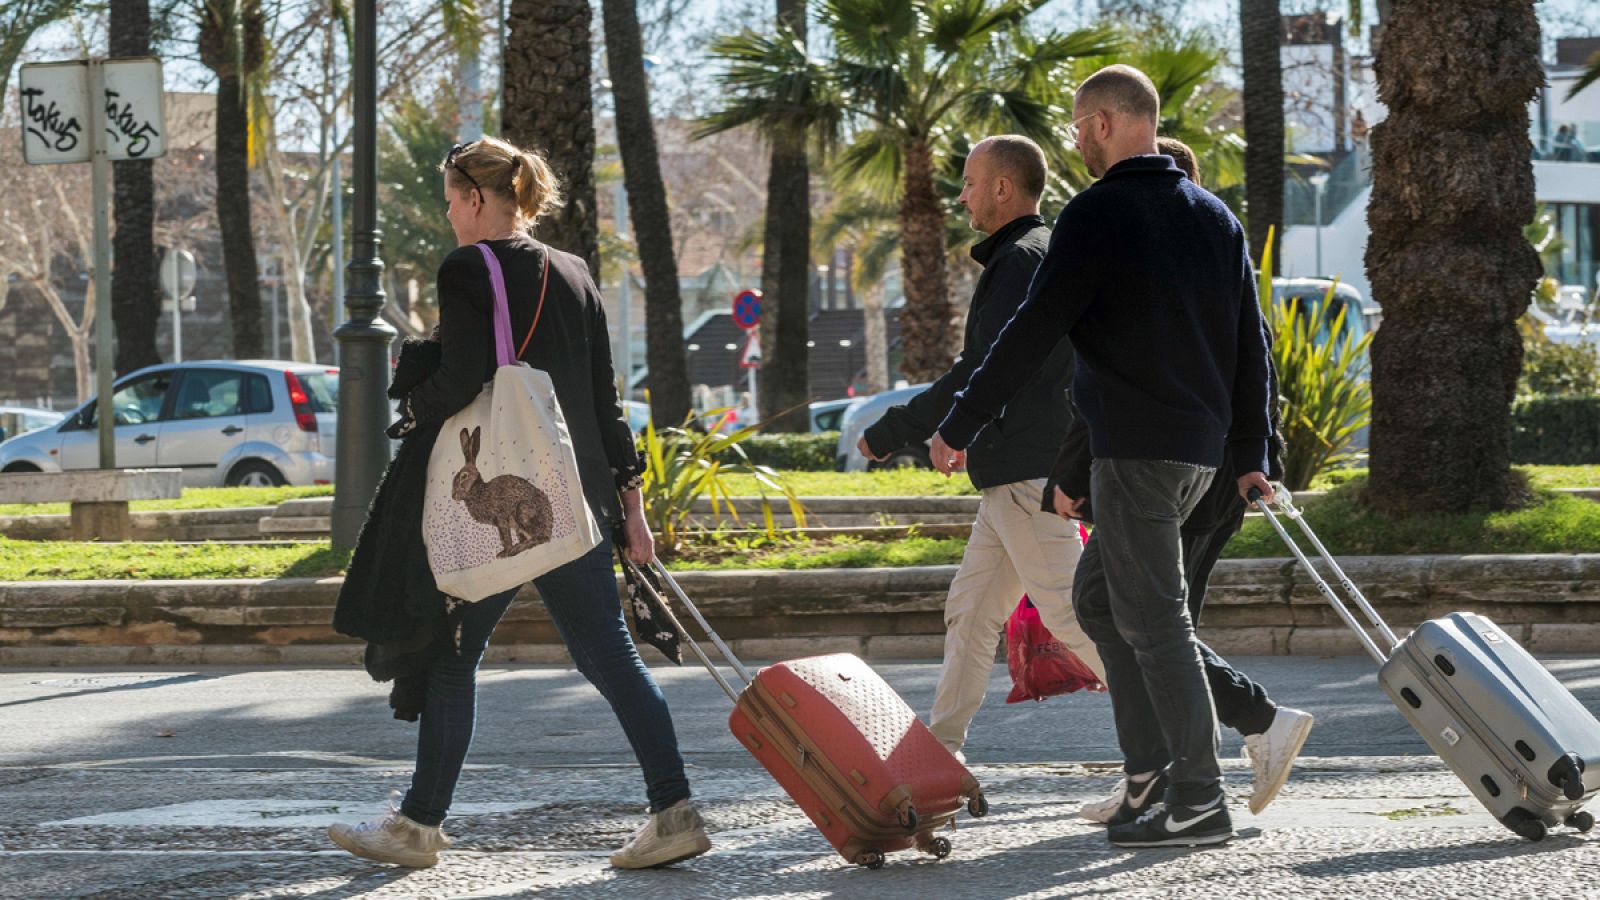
[[1150, 277]]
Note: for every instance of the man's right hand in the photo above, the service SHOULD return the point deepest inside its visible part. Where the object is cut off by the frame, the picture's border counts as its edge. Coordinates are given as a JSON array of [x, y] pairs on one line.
[[865, 450], [1066, 507]]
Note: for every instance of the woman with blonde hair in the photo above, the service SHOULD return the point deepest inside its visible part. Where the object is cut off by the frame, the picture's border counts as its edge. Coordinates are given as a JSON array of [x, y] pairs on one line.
[[495, 193]]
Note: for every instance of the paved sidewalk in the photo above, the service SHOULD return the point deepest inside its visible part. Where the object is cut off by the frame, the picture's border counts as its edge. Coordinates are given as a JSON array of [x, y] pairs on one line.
[[218, 783]]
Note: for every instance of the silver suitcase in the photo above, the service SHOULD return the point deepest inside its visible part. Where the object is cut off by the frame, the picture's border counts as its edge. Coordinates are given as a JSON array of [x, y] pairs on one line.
[[1518, 739]]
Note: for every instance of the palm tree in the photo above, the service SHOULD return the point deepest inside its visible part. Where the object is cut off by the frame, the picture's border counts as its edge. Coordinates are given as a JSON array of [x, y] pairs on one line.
[[647, 206], [548, 104], [1260, 43], [903, 75], [135, 301], [232, 44], [1451, 267], [786, 266]]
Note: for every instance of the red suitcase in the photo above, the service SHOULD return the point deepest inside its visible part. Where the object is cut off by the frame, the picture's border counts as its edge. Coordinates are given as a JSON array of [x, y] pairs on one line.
[[847, 748]]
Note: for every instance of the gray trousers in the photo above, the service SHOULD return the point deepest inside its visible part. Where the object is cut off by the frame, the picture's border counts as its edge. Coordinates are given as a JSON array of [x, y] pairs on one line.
[[1131, 598]]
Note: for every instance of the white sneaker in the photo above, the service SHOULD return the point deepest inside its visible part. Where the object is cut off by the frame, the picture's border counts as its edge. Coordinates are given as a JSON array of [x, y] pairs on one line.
[[672, 835], [392, 838], [1102, 810], [1272, 754]]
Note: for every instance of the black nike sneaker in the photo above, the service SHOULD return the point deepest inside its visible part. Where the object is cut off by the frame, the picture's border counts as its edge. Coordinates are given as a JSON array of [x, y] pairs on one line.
[[1168, 825], [1139, 797]]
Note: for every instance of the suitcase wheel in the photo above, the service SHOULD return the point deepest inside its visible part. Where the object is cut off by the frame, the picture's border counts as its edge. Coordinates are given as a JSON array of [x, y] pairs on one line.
[[1582, 820], [908, 817], [938, 847], [1525, 824], [872, 859], [978, 805]]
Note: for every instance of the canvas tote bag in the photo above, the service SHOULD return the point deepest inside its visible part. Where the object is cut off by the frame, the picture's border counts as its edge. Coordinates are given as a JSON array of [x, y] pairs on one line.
[[503, 503]]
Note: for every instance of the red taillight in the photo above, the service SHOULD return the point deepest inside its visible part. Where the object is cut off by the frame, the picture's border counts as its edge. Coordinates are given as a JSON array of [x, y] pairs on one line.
[[304, 416]]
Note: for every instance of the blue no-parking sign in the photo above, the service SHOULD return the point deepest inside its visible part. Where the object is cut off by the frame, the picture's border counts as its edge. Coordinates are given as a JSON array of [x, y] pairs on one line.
[[747, 309]]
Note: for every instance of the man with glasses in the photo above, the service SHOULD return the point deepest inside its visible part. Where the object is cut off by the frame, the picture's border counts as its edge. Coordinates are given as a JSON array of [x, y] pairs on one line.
[[1150, 276]]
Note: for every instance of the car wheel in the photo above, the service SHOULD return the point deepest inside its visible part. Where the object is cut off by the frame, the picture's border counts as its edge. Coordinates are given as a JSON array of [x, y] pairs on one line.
[[22, 467], [255, 474], [906, 458]]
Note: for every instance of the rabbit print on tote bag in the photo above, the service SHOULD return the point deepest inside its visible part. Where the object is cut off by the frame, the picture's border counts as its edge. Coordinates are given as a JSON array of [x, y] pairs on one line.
[[504, 504]]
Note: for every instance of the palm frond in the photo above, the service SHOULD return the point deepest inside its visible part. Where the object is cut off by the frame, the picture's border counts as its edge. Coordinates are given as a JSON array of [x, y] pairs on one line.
[[1591, 74], [872, 163], [876, 31], [957, 27], [771, 83]]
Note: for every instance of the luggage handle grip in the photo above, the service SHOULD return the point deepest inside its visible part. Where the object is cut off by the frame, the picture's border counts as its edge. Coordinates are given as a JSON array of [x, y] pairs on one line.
[[727, 653], [1255, 496]]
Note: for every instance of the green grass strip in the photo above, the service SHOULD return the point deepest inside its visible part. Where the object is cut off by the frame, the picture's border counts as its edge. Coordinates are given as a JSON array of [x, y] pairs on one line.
[[193, 498]]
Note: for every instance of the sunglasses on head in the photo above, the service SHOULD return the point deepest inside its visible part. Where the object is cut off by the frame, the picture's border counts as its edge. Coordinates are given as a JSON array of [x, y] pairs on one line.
[[450, 160]]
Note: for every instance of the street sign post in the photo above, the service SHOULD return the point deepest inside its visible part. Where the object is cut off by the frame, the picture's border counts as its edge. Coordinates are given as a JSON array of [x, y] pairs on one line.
[[177, 282], [95, 111], [747, 315]]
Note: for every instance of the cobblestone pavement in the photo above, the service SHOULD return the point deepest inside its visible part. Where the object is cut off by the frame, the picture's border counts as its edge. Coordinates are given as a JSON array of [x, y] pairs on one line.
[[210, 825]]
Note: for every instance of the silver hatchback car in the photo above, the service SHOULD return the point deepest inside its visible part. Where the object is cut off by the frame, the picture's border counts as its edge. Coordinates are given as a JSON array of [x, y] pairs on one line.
[[253, 423]]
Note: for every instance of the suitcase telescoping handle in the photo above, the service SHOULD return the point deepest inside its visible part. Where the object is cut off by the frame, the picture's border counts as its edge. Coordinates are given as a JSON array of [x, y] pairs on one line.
[[1323, 587], [694, 646]]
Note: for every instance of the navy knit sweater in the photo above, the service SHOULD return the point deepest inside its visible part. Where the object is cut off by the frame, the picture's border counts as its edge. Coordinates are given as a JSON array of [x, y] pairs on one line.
[[1150, 277]]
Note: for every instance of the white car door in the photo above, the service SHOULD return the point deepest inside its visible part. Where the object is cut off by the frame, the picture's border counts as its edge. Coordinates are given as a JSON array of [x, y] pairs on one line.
[[208, 421], [139, 407]]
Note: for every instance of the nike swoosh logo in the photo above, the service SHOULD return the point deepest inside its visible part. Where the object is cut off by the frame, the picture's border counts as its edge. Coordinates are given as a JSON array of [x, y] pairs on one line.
[[1173, 826], [1137, 800]]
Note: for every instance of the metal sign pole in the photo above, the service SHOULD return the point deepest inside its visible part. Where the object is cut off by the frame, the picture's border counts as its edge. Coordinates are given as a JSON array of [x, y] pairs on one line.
[[101, 165]]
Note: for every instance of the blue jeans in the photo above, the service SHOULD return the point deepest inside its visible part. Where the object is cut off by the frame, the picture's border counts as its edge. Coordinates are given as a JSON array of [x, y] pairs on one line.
[[582, 600], [1131, 598]]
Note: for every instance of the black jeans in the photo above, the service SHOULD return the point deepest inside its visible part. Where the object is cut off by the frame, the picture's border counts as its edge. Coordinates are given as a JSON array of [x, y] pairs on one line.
[[582, 599], [1241, 704], [1131, 599]]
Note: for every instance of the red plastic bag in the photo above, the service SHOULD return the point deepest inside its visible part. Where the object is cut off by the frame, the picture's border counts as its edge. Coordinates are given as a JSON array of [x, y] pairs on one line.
[[1041, 666]]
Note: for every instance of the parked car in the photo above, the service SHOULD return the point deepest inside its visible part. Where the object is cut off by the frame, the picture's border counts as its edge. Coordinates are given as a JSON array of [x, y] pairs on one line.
[[1361, 317], [15, 420], [826, 414], [863, 413], [253, 423]]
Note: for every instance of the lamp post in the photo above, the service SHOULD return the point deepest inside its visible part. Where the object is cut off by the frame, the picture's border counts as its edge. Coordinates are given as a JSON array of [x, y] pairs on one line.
[[364, 338], [1319, 181]]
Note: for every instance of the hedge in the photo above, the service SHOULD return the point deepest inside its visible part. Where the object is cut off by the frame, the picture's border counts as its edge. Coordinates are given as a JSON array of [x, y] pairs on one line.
[[1562, 431], [794, 452]]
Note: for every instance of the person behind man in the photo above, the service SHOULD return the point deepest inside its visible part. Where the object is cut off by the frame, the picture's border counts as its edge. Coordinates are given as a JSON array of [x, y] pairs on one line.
[[1015, 547], [1273, 734], [1150, 276]]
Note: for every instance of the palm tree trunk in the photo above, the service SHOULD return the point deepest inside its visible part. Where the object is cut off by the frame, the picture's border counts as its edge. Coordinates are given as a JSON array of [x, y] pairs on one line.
[[233, 217], [786, 270], [1450, 266], [647, 206], [135, 298], [925, 321], [1261, 40], [548, 105]]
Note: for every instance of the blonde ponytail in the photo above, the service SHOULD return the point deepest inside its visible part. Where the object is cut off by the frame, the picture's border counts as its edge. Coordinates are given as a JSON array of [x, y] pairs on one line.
[[520, 177]]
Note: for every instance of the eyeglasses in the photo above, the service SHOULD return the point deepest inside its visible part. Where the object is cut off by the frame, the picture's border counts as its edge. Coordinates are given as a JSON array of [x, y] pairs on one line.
[[1072, 129], [450, 160]]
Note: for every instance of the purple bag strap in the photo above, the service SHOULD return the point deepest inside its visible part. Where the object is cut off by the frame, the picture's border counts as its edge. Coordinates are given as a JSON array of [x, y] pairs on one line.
[[505, 353]]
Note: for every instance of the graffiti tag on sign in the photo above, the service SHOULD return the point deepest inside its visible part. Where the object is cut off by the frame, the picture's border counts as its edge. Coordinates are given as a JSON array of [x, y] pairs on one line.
[[48, 123], [75, 109], [124, 124]]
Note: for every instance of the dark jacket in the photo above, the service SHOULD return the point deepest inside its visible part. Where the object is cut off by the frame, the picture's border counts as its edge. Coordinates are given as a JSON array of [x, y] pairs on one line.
[[1020, 444], [571, 344], [1221, 506], [1150, 276], [389, 597]]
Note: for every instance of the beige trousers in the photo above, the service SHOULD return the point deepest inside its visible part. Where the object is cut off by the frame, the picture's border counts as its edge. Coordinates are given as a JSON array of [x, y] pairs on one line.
[[1016, 548]]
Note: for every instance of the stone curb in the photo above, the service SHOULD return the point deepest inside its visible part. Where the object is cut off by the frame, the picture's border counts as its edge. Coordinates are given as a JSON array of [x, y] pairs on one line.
[[1551, 603]]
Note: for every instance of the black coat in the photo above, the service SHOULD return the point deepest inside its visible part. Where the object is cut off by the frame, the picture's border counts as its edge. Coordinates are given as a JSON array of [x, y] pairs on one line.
[[389, 597], [1020, 444]]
